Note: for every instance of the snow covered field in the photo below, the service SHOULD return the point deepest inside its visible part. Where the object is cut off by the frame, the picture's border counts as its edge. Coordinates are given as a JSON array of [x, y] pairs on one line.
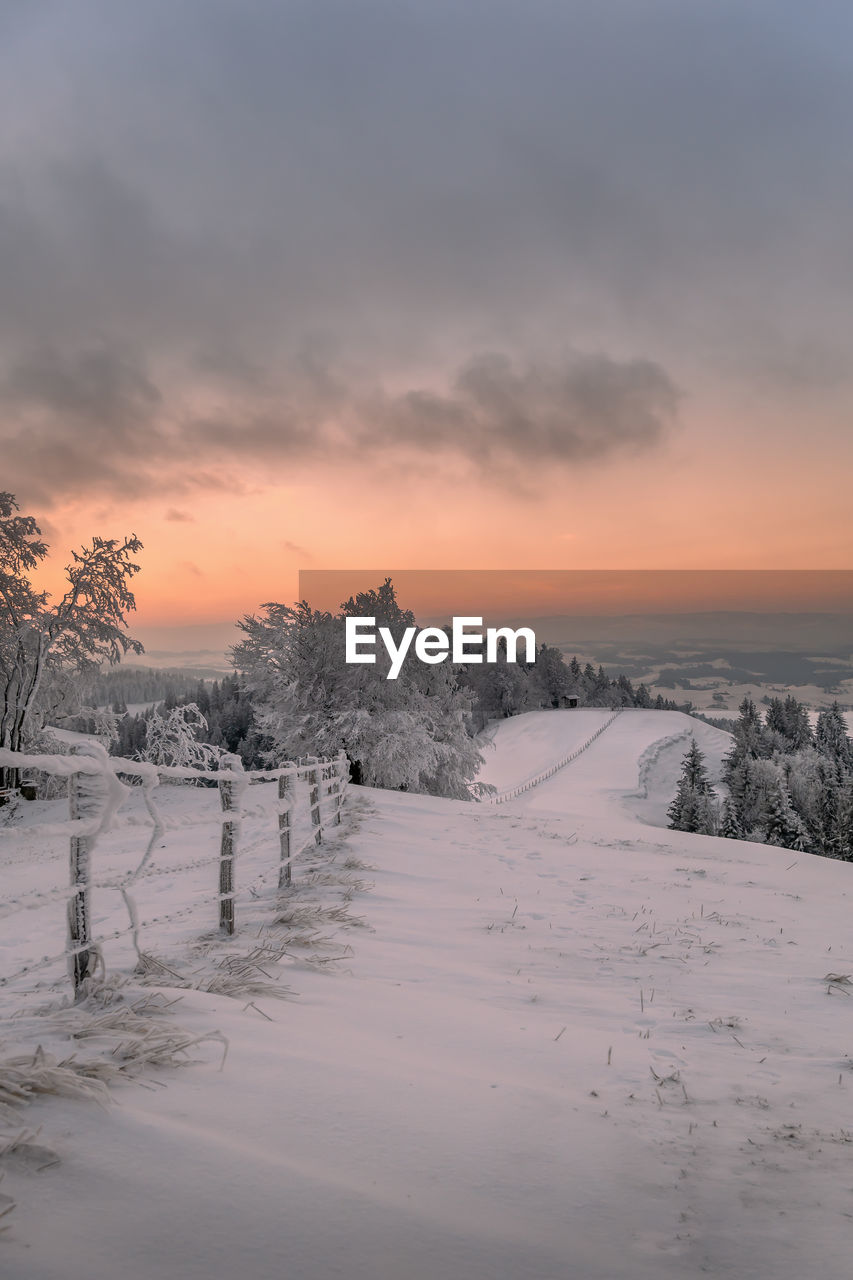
[[531, 1041]]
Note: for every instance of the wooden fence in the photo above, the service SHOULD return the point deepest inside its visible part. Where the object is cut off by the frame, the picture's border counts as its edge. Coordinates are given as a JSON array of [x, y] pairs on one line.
[[96, 793]]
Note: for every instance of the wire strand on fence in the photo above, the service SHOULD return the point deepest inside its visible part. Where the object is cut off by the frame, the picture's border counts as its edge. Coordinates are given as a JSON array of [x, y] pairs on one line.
[[95, 802]]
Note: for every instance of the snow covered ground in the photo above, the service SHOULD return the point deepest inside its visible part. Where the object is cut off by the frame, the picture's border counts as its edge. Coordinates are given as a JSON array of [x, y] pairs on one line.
[[531, 1041]]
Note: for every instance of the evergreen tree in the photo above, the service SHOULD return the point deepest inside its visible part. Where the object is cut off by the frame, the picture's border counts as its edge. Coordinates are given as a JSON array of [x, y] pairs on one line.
[[553, 676], [829, 826], [692, 808], [783, 826], [694, 769], [729, 825], [749, 739], [831, 737]]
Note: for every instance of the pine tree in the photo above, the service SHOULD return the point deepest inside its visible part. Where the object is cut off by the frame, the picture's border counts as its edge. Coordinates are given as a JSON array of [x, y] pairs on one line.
[[694, 770], [552, 675], [642, 698], [783, 826], [692, 808], [830, 828], [749, 739], [729, 825], [682, 811], [831, 736]]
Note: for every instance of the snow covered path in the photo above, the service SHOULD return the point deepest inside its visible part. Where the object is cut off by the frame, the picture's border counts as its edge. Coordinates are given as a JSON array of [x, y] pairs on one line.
[[568, 1045]]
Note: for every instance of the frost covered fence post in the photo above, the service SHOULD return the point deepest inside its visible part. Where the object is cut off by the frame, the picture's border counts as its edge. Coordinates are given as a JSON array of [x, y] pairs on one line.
[[286, 792], [341, 779], [86, 803], [79, 937], [229, 795], [329, 788], [333, 791], [314, 775]]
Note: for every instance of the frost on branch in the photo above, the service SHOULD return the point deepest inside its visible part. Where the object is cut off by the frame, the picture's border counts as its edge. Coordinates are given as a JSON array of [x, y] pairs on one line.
[[172, 739]]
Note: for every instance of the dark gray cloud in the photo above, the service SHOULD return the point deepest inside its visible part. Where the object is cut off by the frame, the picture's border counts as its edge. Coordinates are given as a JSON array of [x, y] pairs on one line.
[[96, 424], [215, 188], [80, 424], [587, 408], [96, 387]]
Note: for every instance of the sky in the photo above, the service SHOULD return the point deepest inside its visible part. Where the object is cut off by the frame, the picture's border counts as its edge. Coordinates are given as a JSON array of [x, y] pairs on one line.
[[432, 283]]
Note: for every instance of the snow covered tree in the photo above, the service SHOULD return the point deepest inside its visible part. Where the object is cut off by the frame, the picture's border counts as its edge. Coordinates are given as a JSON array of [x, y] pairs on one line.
[[553, 676], [831, 737], [642, 698], [173, 739], [410, 733], [783, 826], [82, 629], [500, 689], [789, 721], [748, 731], [729, 825], [693, 808], [693, 769], [103, 722], [829, 819]]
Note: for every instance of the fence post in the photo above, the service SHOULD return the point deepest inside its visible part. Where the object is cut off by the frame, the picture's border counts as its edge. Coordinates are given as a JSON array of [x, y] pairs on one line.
[[229, 799], [341, 771], [286, 789], [80, 956], [87, 795], [314, 800], [328, 788]]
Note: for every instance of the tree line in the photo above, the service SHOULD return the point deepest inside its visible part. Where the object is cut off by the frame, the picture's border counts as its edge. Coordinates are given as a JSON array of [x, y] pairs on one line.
[[786, 783]]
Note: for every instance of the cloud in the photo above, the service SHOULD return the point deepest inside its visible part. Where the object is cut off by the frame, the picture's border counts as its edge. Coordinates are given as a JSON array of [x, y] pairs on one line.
[[97, 423], [394, 189], [583, 410], [94, 387], [296, 549], [178, 517], [394, 176], [81, 423]]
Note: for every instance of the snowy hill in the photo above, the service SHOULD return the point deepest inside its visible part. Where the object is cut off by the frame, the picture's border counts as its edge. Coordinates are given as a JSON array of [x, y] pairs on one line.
[[549, 1041], [631, 768]]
